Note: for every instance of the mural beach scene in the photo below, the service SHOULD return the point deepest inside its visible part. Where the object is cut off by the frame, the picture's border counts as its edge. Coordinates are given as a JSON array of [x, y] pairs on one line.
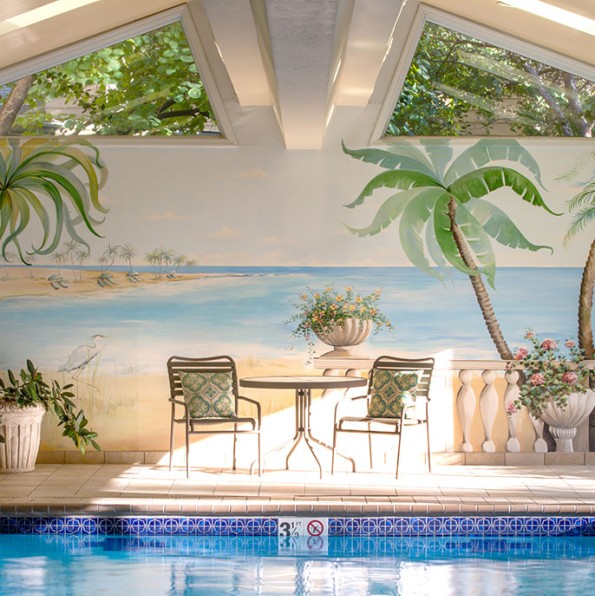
[[243, 311], [109, 323]]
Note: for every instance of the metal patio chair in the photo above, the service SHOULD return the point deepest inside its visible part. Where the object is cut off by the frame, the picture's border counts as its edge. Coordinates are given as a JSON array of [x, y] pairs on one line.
[[395, 388], [204, 397]]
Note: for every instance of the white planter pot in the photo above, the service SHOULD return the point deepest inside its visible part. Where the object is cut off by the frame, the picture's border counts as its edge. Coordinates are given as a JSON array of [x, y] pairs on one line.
[[344, 338], [563, 422], [21, 428]]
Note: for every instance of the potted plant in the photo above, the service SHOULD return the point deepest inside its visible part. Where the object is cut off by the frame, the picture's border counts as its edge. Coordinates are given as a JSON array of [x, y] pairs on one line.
[[341, 319], [555, 386], [24, 400]]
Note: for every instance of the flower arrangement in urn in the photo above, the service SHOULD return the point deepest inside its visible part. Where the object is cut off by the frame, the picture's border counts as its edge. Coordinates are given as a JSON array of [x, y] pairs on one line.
[[551, 374], [322, 313]]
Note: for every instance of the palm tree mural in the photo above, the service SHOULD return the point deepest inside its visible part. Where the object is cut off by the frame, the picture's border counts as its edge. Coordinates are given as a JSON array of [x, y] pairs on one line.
[[582, 205], [57, 181], [444, 218], [128, 252]]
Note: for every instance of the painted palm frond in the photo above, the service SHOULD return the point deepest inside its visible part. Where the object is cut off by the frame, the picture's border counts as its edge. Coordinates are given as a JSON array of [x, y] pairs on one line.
[[483, 181], [56, 181], [395, 157], [487, 151], [400, 179], [501, 228], [417, 217], [582, 205]]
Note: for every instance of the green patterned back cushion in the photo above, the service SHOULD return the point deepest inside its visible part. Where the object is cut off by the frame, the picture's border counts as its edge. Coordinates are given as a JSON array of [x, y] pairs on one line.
[[391, 392], [208, 394]]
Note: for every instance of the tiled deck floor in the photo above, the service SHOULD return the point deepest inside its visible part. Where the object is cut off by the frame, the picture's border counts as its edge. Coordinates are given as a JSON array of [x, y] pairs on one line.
[[141, 489]]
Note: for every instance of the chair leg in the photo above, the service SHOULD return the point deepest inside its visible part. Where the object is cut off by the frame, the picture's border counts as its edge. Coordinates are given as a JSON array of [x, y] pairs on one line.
[[259, 456], [235, 441], [334, 448], [187, 450], [370, 445], [400, 435], [428, 441], [171, 437]]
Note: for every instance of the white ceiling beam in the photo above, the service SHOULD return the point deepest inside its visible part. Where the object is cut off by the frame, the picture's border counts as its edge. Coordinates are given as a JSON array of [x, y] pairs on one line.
[[302, 38]]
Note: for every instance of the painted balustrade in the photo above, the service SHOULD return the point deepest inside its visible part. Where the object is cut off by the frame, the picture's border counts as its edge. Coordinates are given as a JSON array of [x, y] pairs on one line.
[[470, 406]]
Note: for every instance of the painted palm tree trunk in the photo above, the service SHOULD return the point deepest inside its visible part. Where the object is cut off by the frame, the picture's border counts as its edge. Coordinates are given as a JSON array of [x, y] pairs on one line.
[[481, 292], [585, 306]]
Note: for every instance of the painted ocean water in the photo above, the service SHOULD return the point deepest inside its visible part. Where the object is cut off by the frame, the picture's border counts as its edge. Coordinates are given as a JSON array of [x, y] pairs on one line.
[[242, 311]]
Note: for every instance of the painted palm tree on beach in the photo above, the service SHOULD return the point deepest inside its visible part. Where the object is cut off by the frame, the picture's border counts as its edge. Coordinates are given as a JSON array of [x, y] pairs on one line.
[[444, 218], [582, 205], [57, 181]]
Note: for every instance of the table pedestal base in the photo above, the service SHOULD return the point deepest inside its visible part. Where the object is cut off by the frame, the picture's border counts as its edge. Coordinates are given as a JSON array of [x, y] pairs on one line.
[[303, 432]]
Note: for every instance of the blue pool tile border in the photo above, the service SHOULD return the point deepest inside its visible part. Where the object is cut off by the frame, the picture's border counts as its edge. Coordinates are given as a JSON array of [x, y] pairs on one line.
[[405, 526]]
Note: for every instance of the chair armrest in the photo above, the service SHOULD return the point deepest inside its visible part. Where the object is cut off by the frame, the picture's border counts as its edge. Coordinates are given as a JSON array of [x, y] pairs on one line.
[[341, 403], [173, 400], [254, 403]]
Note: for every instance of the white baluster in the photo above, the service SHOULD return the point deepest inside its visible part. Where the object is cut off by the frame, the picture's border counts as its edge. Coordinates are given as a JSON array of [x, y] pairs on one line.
[[511, 394], [466, 407], [540, 444], [488, 406]]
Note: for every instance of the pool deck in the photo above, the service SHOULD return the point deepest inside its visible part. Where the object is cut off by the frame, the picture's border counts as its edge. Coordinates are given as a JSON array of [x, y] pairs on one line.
[[153, 489]]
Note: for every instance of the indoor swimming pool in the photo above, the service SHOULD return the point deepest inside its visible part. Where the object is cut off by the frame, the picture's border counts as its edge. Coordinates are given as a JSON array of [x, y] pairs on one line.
[[84, 555]]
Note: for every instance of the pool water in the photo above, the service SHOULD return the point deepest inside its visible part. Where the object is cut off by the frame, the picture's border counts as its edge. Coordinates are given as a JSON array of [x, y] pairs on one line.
[[80, 565]]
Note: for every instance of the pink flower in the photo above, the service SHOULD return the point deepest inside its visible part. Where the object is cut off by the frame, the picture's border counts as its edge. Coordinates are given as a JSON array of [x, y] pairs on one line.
[[549, 344], [510, 408], [569, 344], [521, 353], [530, 334], [569, 377], [537, 379]]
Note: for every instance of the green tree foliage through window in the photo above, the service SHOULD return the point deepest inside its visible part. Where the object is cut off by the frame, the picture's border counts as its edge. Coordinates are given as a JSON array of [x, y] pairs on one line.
[[146, 85], [458, 85]]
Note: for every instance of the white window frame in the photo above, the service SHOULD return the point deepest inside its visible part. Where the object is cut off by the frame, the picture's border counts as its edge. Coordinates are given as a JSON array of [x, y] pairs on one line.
[[426, 14], [179, 14]]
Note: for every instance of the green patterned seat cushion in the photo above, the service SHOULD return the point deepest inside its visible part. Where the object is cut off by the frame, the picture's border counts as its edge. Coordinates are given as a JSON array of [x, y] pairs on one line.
[[208, 394], [391, 392]]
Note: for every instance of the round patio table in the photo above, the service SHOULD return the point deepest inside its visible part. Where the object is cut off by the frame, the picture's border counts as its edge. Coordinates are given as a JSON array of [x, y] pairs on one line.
[[303, 385]]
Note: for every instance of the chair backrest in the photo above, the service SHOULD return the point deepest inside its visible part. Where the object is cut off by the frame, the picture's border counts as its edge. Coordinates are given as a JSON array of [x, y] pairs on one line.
[[425, 366], [182, 364]]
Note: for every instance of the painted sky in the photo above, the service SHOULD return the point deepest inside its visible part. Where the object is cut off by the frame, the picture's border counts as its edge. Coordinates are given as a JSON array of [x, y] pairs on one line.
[[262, 207]]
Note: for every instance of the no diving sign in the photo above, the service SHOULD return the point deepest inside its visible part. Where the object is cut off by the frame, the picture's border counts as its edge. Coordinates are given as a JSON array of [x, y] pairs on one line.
[[303, 535], [316, 527], [303, 527]]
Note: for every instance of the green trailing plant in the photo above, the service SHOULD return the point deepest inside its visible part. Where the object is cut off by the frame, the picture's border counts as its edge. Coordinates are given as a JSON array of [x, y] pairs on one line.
[[30, 389], [550, 373], [58, 182]]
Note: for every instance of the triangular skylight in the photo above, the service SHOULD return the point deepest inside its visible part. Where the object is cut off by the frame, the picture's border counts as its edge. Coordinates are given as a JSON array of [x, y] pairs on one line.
[[146, 85], [461, 85]]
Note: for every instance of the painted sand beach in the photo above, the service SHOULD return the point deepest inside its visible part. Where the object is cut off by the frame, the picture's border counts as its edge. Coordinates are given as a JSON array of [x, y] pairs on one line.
[[241, 312]]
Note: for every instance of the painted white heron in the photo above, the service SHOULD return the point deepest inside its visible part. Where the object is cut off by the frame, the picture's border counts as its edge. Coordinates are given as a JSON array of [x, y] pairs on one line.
[[80, 357]]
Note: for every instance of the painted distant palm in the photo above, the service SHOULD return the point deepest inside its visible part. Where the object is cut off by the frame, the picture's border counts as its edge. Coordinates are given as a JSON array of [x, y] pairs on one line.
[[128, 252], [55, 180], [582, 205], [444, 218]]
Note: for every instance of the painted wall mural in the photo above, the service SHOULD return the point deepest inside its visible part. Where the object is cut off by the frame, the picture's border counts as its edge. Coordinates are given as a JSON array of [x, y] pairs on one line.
[[204, 252]]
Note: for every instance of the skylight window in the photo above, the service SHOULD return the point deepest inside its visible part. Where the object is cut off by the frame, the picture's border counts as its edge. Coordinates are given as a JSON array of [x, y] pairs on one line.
[[459, 85], [147, 85]]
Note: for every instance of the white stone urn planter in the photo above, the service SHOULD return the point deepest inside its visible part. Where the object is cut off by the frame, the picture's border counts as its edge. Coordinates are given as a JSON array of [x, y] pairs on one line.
[[563, 422], [345, 337], [21, 428]]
